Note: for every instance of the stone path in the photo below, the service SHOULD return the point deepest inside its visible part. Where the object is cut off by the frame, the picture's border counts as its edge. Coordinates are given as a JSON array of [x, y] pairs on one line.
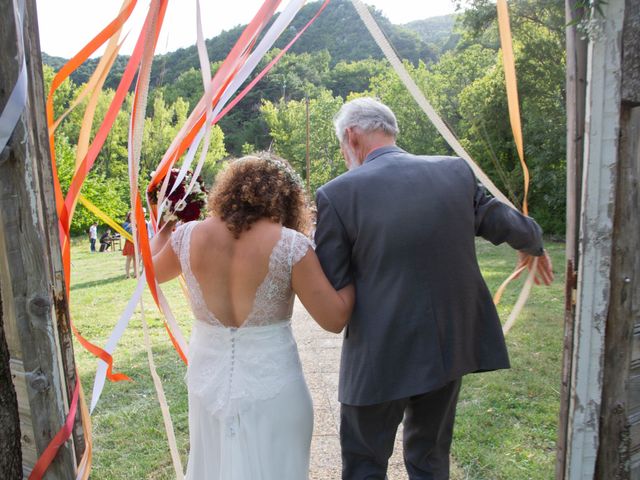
[[320, 354]]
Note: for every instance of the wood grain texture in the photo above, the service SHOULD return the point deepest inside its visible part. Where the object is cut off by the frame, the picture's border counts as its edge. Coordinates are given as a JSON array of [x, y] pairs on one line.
[[25, 261], [620, 417]]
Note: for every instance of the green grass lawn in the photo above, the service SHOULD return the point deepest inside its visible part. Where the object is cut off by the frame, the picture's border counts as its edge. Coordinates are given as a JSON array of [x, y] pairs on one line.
[[506, 424]]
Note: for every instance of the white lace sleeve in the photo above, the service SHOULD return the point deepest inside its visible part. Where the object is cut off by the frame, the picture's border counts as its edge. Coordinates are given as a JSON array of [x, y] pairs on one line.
[[299, 247], [176, 239]]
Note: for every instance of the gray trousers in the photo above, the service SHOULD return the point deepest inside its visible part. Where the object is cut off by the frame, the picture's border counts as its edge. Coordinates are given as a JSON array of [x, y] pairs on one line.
[[367, 435]]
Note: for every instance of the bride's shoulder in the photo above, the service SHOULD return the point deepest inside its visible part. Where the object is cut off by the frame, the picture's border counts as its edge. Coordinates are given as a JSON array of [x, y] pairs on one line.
[[299, 244]]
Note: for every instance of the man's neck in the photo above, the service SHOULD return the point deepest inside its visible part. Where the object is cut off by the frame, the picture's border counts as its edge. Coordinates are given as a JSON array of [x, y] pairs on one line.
[[379, 143]]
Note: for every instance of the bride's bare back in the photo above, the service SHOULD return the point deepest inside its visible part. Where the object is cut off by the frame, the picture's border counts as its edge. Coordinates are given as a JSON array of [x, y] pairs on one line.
[[231, 270]]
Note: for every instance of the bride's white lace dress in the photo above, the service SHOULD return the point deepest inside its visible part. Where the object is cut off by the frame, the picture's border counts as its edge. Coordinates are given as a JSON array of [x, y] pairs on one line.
[[250, 412]]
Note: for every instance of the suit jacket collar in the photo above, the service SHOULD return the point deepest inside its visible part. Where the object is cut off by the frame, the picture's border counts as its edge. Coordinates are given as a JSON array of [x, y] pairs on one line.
[[381, 151]]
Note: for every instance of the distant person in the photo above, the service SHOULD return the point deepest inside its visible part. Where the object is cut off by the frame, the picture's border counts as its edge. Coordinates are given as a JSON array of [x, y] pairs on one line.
[[105, 241], [148, 224], [128, 250], [93, 236], [401, 228]]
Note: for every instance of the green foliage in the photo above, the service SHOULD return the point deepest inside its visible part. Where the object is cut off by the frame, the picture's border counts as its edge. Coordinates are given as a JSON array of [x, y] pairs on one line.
[[337, 60], [108, 194], [350, 77], [437, 32], [417, 134], [506, 420], [287, 124], [65, 93]]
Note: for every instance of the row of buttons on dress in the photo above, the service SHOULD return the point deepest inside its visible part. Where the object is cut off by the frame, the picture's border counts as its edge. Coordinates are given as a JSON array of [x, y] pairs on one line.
[[231, 422]]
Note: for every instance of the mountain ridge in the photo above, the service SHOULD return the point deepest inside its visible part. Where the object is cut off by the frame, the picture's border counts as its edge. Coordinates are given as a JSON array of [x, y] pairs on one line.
[[337, 30]]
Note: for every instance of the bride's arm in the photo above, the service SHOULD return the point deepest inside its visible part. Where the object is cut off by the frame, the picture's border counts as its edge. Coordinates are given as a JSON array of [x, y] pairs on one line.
[[330, 308], [166, 263]]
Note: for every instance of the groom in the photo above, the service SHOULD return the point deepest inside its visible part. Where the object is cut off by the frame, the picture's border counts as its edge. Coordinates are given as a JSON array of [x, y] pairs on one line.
[[402, 228]]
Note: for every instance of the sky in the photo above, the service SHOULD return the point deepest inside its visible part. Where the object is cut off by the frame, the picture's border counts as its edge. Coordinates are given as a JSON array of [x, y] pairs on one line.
[[67, 25]]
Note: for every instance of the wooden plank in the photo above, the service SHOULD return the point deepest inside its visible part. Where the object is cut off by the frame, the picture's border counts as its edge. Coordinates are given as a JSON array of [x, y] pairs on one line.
[[620, 423], [49, 217], [631, 53], [633, 404], [576, 71], [25, 266], [29, 452], [599, 185]]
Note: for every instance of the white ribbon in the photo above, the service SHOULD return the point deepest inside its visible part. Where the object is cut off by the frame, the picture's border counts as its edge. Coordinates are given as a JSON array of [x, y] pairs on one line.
[[270, 37], [419, 97], [18, 99], [114, 338]]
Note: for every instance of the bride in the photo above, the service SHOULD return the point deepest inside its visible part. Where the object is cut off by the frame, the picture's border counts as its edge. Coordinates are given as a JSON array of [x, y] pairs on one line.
[[250, 412]]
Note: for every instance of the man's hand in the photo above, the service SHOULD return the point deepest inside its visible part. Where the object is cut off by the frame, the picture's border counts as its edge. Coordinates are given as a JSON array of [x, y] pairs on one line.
[[544, 270]]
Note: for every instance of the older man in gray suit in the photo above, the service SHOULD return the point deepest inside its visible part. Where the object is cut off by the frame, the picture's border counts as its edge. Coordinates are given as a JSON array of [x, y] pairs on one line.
[[402, 229]]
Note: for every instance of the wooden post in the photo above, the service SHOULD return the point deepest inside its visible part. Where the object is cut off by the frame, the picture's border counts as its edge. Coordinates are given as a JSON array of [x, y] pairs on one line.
[[35, 312], [575, 104], [619, 447], [596, 240]]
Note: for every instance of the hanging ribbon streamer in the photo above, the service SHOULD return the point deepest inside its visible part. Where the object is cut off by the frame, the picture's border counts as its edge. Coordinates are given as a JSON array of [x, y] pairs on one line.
[[442, 128], [238, 67], [84, 467], [422, 101], [112, 342], [64, 433], [17, 102], [141, 242], [270, 37], [60, 439], [86, 203], [522, 298], [509, 63], [64, 213], [15, 106]]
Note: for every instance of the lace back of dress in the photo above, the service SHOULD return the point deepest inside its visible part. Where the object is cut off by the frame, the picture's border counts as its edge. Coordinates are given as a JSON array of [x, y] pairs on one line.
[[273, 301], [274, 297]]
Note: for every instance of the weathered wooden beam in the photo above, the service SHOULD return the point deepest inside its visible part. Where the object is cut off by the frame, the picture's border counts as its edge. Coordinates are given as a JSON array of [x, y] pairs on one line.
[[26, 283], [620, 410], [40, 144], [595, 241], [576, 71], [631, 53]]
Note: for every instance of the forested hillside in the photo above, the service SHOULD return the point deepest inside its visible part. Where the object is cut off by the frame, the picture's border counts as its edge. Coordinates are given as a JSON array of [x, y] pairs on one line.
[[454, 60], [437, 32], [339, 31]]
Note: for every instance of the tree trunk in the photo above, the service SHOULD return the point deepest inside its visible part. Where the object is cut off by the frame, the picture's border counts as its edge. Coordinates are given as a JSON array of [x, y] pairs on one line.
[[10, 450]]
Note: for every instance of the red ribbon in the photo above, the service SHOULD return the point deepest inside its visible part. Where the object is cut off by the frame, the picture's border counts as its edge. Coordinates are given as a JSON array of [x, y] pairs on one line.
[[61, 437]]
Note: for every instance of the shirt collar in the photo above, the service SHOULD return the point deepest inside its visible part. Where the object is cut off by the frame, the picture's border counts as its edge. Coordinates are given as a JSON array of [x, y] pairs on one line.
[[381, 151]]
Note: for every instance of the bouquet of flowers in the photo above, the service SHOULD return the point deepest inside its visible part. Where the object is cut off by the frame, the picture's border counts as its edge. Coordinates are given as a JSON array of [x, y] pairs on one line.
[[177, 206]]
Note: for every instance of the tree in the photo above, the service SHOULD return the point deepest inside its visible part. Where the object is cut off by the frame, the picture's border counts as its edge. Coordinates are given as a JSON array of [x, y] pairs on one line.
[[417, 134], [108, 194], [350, 77], [10, 447], [287, 124]]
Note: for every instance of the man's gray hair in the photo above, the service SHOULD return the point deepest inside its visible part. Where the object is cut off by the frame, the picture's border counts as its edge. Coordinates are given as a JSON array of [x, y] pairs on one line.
[[367, 114]]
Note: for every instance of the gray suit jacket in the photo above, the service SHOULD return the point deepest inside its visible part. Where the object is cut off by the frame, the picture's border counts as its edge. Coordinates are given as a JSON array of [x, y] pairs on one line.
[[402, 228]]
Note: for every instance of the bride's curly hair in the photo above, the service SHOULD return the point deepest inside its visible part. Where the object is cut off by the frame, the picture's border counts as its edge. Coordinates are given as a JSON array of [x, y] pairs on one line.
[[259, 186]]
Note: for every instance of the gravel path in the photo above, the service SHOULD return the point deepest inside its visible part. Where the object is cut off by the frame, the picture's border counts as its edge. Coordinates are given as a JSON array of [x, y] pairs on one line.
[[320, 354]]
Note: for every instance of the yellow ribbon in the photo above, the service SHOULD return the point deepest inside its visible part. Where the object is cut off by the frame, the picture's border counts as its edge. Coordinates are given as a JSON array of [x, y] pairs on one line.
[[512, 92], [104, 217]]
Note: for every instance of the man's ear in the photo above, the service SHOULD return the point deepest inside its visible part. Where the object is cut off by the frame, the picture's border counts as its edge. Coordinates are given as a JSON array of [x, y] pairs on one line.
[[353, 139]]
